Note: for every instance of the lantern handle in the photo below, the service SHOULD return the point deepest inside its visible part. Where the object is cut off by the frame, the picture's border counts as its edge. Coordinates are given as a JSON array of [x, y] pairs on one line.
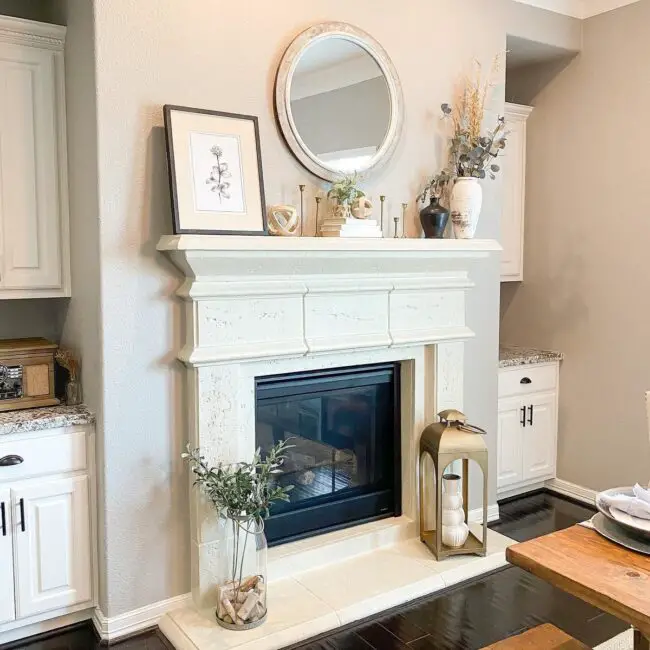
[[452, 417]]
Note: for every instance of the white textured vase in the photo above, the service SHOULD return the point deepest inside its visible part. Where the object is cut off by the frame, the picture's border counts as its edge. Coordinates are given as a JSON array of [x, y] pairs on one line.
[[454, 529], [466, 203]]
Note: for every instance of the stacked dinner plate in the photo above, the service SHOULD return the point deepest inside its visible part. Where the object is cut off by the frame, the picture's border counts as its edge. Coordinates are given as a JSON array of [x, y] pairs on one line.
[[624, 517]]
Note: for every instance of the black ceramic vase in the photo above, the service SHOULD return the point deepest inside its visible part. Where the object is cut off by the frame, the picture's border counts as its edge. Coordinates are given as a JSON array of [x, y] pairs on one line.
[[434, 219]]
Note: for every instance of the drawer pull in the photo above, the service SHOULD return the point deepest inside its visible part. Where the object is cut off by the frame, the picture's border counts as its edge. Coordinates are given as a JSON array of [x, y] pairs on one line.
[[525, 380], [21, 505], [530, 418], [523, 416], [3, 519], [12, 459]]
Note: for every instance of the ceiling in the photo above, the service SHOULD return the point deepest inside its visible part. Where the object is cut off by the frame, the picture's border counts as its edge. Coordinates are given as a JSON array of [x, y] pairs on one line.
[[578, 8]]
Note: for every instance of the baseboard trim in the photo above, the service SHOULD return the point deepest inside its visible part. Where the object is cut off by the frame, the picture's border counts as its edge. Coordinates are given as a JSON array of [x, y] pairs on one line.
[[33, 632], [476, 516], [138, 620], [571, 490]]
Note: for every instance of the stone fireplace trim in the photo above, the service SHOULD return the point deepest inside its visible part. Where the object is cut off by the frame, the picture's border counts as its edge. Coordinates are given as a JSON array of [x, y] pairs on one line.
[[258, 306]]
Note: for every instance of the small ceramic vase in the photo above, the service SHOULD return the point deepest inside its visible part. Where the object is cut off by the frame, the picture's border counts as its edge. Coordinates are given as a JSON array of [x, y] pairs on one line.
[[433, 218], [454, 529], [466, 203]]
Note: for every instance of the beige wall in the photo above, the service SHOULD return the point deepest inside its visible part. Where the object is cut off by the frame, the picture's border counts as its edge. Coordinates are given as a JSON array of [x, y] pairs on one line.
[[223, 56], [587, 268], [82, 325]]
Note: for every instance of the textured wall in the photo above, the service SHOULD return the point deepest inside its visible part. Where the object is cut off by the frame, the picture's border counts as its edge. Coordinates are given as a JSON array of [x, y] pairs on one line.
[[82, 327], [224, 56], [587, 275]]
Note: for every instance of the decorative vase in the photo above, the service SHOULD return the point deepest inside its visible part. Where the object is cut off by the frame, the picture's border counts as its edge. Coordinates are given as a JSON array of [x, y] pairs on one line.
[[73, 393], [466, 202], [434, 219], [241, 594], [454, 529]]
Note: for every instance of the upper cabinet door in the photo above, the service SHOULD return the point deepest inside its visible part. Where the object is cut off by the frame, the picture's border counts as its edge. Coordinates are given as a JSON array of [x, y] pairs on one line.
[[52, 540], [33, 174], [7, 609], [514, 194]]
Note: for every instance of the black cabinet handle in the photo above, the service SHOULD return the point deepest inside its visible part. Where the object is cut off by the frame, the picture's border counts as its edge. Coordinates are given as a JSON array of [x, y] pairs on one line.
[[21, 505], [530, 417], [523, 416], [12, 459], [3, 519], [525, 380]]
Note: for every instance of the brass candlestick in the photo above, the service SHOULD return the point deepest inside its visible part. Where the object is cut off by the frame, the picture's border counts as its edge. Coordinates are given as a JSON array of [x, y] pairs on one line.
[[382, 198], [396, 220], [318, 200], [302, 216], [404, 206]]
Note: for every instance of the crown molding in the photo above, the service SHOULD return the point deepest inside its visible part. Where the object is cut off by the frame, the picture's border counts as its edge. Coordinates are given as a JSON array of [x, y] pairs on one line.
[[31, 32], [578, 8]]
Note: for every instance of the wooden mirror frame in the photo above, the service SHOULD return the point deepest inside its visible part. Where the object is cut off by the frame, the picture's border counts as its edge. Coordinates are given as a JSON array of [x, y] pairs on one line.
[[284, 77]]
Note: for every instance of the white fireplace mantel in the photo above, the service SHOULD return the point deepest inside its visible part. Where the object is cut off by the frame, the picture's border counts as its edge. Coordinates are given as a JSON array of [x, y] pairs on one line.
[[261, 306]]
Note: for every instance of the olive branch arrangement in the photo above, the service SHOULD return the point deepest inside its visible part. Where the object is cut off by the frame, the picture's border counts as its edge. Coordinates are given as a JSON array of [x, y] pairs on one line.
[[241, 493]]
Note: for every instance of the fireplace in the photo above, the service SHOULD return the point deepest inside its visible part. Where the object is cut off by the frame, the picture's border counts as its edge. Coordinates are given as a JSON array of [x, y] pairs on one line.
[[344, 463]]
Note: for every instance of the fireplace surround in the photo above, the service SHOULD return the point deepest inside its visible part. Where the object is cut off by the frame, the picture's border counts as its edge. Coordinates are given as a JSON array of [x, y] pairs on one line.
[[260, 307]]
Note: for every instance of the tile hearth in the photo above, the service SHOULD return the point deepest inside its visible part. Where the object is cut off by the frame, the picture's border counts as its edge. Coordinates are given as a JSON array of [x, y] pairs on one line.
[[316, 601]]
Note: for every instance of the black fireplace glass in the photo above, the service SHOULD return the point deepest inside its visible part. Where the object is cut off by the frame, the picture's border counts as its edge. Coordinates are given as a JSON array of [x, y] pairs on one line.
[[343, 426]]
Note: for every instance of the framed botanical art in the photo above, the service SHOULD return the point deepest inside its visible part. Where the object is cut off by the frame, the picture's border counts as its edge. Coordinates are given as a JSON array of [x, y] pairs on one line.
[[215, 172]]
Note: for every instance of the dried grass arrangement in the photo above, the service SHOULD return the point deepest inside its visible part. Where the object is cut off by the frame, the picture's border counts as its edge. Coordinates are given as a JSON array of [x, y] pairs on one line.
[[66, 360]]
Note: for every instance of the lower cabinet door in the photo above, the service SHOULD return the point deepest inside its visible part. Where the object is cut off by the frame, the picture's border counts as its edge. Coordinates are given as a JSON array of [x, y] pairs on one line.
[[7, 608], [540, 446], [510, 441], [52, 539]]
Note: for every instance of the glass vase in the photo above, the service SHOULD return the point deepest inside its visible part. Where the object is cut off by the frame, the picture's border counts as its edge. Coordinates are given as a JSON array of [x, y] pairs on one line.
[[73, 394], [241, 596]]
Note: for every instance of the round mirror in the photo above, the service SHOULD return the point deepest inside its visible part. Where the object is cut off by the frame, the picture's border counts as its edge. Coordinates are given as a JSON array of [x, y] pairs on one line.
[[338, 101]]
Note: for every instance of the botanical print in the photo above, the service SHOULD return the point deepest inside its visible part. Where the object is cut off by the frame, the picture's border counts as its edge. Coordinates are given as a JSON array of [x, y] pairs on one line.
[[217, 174]]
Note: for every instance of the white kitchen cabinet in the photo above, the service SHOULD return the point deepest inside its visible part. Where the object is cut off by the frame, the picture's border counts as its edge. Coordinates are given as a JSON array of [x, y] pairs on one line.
[[7, 606], [46, 556], [52, 545], [513, 163], [527, 427], [34, 237]]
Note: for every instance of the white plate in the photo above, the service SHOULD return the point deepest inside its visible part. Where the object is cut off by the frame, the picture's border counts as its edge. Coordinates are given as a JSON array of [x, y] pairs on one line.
[[634, 522], [631, 525]]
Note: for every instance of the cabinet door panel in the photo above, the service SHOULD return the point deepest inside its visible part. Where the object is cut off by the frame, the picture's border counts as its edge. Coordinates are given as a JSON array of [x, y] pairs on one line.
[[509, 446], [53, 553], [513, 163], [29, 194], [540, 438], [7, 609]]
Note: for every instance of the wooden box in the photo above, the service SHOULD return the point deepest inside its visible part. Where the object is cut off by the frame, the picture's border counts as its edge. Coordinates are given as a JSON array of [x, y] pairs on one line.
[[26, 374]]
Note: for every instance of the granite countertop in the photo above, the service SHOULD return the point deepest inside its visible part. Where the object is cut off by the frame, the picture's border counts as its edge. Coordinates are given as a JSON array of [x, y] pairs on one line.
[[50, 417], [511, 355]]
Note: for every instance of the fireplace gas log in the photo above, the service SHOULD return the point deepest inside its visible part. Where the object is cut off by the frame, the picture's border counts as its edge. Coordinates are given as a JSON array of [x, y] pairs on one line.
[[239, 604]]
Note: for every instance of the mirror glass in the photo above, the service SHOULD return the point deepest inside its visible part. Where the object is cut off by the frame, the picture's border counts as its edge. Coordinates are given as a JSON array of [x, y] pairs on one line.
[[340, 104]]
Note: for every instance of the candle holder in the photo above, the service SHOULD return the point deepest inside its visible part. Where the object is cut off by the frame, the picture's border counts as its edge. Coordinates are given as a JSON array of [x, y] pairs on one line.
[[404, 206], [318, 200], [302, 204], [382, 198], [396, 220]]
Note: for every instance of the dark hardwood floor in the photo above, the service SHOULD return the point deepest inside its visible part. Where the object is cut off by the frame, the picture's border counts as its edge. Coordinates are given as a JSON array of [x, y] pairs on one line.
[[467, 616]]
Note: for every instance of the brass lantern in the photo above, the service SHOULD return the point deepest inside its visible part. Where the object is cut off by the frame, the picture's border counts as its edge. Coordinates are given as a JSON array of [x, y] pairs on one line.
[[444, 442]]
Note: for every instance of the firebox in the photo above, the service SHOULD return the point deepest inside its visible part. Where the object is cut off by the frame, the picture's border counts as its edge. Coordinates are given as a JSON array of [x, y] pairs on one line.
[[344, 464]]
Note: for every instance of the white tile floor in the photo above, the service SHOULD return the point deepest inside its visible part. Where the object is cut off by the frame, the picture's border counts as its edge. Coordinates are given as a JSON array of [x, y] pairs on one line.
[[313, 602]]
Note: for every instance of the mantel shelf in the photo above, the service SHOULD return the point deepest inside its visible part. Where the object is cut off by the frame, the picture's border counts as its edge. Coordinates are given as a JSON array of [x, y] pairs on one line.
[[298, 245]]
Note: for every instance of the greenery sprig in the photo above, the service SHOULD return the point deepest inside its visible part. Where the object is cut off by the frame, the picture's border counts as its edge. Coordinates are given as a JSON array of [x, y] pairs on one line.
[[241, 490], [345, 189]]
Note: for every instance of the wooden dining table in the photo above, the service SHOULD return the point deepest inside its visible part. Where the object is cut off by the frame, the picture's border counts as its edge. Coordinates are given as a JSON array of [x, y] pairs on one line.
[[581, 562]]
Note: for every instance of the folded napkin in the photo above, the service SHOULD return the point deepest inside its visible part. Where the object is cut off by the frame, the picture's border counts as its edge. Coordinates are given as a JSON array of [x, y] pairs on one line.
[[635, 506]]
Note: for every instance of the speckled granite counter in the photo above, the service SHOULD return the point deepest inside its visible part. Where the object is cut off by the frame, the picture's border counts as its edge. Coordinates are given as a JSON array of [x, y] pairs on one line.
[[510, 355], [50, 417]]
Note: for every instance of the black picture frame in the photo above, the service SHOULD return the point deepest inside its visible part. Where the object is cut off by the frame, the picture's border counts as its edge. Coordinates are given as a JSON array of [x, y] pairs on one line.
[[168, 109]]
